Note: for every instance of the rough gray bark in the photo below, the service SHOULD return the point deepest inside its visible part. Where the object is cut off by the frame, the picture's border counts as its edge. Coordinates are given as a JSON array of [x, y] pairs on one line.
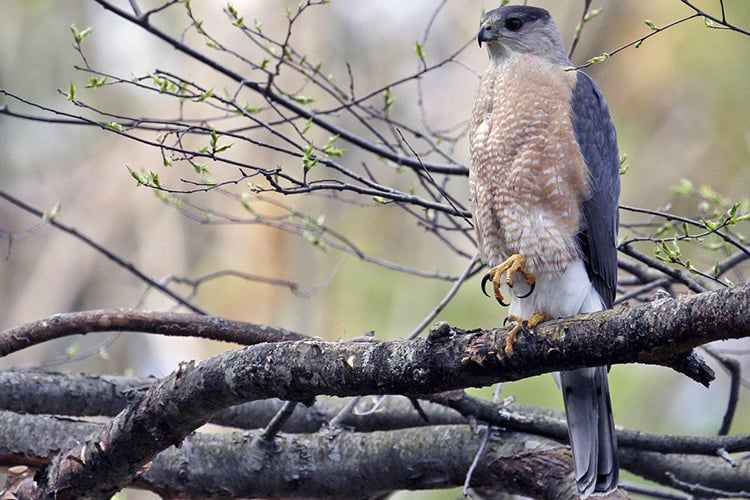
[[101, 395], [128, 320], [447, 359], [87, 395], [338, 463], [703, 476]]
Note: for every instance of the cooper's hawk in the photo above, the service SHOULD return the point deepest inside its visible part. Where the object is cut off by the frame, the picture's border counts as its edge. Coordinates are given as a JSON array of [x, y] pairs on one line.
[[544, 184]]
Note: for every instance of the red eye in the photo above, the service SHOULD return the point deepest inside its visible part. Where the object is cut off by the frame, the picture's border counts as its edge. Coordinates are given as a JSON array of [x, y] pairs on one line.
[[513, 24]]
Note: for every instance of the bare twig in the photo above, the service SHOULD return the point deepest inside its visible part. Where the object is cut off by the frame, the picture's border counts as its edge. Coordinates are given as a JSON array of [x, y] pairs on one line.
[[128, 266]]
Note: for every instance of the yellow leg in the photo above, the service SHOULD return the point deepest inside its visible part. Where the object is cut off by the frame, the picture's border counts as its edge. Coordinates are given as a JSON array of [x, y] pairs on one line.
[[513, 264], [525, 324]]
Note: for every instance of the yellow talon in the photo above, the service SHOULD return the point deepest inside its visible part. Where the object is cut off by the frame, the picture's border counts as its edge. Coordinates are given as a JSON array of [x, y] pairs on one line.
[[513, 264], [526, 325]]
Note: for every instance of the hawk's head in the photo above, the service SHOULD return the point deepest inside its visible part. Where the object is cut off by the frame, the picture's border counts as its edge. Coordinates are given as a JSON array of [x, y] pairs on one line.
[[519, 28]]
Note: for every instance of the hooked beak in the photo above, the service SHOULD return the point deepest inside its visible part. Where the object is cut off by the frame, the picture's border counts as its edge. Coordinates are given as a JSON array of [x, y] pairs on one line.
[[484, 35]]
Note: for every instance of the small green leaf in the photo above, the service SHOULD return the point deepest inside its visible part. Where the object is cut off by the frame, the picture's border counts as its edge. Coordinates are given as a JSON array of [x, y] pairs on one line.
[[309, 160], [304, 99], [79, 36], [315, 240], [160, 82], [664, 228], [200, 168], [668, 253], [684, 188], [246, 202], [95, 82], [599, 59], [250, 110], [154, 177], [331, 150], [52, 212], [624, 165], [71, 92], [214, 144], [388, 98], [651, 25], [591, 14], [732, 212], [198, 24], [205, 95], [238, 20], [710, 225], [114, 126], [420, 50], [138, 176]]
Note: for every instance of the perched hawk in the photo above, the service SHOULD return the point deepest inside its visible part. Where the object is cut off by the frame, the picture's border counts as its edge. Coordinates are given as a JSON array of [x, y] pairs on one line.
[[544, 184]]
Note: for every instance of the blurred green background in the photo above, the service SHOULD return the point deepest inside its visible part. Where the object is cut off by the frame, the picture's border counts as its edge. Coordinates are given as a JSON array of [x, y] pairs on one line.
[[681, 103]]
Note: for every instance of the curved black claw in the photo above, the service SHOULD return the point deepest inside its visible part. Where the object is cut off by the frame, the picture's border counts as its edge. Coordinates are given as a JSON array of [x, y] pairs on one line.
[[484, 284], [525, 327], [487, 277], [531, 290]]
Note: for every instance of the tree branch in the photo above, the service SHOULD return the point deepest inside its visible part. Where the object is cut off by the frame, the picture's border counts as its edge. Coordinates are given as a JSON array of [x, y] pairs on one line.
[[447, 359], [131, 320], [650, 333], [700, 475], [277, 99], [310, 465], [429, 457], [85, 395]]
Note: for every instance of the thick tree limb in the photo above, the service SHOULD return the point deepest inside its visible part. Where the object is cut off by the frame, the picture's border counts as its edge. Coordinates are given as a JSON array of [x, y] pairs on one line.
[[700, 475], [87, 395], [329, 464], [447, 359], [552, 424], [68, 394], [101, 395], [131, 320], [660, 331], [429, 457]]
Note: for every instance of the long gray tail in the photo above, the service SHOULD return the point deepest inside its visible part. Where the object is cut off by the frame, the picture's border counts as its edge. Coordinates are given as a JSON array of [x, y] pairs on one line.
[[591, 428]]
